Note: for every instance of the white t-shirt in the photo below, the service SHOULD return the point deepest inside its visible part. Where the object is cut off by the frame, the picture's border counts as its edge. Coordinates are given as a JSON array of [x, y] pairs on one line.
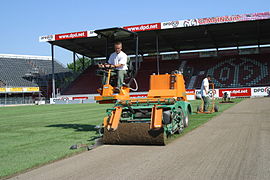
[[205, 83], [120, 58]]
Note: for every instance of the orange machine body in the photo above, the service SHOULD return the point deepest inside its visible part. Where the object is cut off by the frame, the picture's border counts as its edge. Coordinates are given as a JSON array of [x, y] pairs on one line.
[[167, 86], [161, 86], [164, 88], [107, 94]]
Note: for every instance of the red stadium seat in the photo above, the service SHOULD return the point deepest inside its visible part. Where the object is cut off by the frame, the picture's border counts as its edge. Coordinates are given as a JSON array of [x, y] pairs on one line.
[[227, 71]]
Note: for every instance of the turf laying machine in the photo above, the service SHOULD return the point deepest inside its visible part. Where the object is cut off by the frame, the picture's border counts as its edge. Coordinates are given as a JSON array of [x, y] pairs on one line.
[[148, 120], [145, 121]]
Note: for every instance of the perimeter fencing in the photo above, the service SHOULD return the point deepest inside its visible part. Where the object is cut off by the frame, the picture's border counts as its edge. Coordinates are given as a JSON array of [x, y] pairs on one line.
[[16, 100], [192, 94]]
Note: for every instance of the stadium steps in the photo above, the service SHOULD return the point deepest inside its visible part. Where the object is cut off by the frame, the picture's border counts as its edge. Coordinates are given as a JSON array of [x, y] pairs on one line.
[[192, 82], [182, 65], [17, 72]]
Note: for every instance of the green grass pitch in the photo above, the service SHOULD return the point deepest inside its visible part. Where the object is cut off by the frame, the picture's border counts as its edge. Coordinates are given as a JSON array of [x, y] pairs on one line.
[[31, 136]]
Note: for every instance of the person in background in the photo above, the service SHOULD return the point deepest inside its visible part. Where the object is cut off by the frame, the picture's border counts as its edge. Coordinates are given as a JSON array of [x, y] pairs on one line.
[[205, 92]]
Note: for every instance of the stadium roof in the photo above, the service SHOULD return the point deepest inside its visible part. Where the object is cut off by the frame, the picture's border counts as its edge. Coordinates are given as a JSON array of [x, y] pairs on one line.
[[16, 56], [191, 34], [26, 70]]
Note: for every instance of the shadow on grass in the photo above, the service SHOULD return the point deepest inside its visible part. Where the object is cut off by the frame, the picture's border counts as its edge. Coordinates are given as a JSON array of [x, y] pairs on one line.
[[76, 127]]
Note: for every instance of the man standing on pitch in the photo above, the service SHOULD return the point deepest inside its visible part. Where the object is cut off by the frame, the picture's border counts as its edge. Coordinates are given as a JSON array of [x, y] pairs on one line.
[[205, 92], [117, 61]]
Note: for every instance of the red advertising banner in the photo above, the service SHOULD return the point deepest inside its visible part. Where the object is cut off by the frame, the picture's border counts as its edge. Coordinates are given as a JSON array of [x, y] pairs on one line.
[[143, 27], [166, 25], [74, 98], [190, 91], [236, 92], [73, 35]]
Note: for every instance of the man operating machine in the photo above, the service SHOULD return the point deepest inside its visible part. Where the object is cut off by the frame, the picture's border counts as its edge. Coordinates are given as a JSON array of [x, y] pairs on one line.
[[117, 62]]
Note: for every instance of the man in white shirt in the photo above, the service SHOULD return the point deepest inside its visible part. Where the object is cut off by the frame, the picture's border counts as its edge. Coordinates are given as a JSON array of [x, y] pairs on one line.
[[205, 92], [117, 61]]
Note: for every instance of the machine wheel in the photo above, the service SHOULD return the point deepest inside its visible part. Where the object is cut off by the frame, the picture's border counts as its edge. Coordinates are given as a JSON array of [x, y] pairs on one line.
[[167, 117], [216, 108], [179, 131], [179, 118], [101, 131], [185, 121]]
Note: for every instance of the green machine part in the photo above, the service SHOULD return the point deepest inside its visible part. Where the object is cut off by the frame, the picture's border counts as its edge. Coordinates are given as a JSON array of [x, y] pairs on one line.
[[134, 126]]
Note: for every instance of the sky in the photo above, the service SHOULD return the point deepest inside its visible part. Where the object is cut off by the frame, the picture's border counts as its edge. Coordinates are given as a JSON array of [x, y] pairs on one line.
[[23, 21]]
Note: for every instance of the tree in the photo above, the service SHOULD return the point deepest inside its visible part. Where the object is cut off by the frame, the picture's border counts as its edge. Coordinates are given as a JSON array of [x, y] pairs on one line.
[[79, 64]]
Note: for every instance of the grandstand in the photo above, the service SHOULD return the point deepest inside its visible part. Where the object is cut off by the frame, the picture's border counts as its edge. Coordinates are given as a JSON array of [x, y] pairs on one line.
[[22, 78], [233, 49], [230, 71], [86, 83]]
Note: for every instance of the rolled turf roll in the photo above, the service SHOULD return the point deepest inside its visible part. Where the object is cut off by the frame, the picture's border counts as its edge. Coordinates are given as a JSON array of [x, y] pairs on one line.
[[134, 134]]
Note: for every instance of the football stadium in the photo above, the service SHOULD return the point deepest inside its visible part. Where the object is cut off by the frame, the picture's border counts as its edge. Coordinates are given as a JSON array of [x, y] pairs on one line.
[[234, 50], [67, 123]]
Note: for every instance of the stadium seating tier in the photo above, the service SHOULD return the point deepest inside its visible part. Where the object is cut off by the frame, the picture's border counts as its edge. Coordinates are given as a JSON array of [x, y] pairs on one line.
[[227, 72]]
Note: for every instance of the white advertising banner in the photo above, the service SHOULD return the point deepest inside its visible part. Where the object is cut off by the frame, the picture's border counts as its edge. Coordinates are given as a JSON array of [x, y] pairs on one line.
[[181, 23], [53, 100], [91, 33], [171, 24], [211, 93], [47, 38], [191, 97], [260, 91]]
